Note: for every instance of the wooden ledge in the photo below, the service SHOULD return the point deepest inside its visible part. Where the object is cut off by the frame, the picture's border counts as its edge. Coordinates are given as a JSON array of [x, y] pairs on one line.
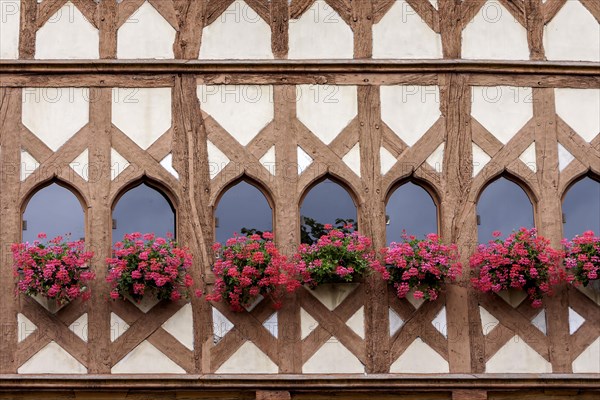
[[295, 66], [442, 382]]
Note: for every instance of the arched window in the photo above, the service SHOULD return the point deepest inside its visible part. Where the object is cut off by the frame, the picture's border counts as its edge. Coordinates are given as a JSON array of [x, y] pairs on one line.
[[326, 203], [242, 209], [412, 209], [581, 208], [55, 211], [503, 206], [143, 209]]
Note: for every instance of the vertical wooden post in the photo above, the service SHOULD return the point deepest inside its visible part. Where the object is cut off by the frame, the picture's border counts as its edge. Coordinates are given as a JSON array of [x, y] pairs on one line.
[[279, 28], [28, 29], [458, 215], [98, 232], [190, 159], [10, 220], [191, 15], [107, 24]]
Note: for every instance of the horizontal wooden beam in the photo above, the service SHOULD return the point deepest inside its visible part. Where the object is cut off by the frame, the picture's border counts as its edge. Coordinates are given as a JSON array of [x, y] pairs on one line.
[[295, 66], [430, 382]]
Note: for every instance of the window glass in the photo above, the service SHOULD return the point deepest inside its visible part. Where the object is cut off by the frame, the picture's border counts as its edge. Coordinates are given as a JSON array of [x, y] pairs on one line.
[[143, 209], [581, 208], [503, 206], [55, 211], [325, 203], [242, 209], [412, 209]]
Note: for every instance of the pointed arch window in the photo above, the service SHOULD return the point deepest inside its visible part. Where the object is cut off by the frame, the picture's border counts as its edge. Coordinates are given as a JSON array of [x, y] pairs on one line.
[[581, 208], [145, 209], [325, 203], [410, 208], [55, 211], [242, 209], [503, 206]]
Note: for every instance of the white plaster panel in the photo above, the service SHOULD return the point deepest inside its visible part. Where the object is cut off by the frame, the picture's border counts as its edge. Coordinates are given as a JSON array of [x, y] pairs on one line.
[[420, 358], [502, 110], [357, 322], [436, 159], [221, 325], [589, 360], [516, 357], [52, 359], [242, 110], [67, 35], [28, 165], [307, 323], [143, 114], [494, 34], [539, 321], [395, 322], [268, 161], [564, 157], [333, 358], [416, 302], [238, 33], [272, 325], [181, 326], [248, 359], [573, 34], [80, 327], [333, 294], [217, 160], [25, 327], [146, 303], [352, 159], [9, 28], [386, 159], [145, 34], [54, 115], [580, 108], [146, 359], [167, 163], [488, 321], [439, 322], [402, 34], [320, 33], [575, 321], [80, 164], [118, 163], [528, 157], [304, 160], [410, 110], [117, 326], [326, 109], [480, 159], [593, 294], [514, 297]]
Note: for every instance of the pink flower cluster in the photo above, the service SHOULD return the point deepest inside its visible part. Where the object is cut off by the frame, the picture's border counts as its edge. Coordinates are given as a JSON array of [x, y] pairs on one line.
[[145, 263], [523, 261], [422, 265], [57, 269], [248, 267], [582, 258], [337, 256]]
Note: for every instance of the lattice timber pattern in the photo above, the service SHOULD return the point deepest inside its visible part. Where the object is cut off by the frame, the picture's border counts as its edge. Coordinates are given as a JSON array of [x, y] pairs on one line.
[[194, 129]]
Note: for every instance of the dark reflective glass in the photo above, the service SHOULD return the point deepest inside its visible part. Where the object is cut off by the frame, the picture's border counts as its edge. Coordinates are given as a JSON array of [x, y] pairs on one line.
[[326, 203], [243, 208], [143, 209], [55, 211], [503, 206], [581, 208], [412, 209]]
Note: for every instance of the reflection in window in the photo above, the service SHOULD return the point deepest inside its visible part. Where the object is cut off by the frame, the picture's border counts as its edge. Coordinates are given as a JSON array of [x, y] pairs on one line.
[[143, 209], [243, 209], [581, 208], [503, 206], [56, 211], [412, 209], [326, 203]]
